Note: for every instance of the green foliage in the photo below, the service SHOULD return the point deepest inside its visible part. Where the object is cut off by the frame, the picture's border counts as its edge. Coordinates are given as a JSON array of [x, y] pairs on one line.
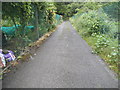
[[23, 13], [20, 10], [95, 22], [67, 9], [112, 9], [113, 56], [102, 42], [61, 8], [100, 30], [7, 23], [41, 15], [87, 6]]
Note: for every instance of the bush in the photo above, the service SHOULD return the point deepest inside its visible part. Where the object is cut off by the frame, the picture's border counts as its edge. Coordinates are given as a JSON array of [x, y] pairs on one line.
[[95, 22], [101, 43], [101, 33]]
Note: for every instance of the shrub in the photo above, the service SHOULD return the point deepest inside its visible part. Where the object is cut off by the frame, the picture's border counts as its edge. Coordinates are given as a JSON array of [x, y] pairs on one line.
[[101, 43], [101, 32], [95, 22]]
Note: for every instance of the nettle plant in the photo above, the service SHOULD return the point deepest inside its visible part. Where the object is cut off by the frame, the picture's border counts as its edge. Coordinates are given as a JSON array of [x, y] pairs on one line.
[[113, 56], [94, 22], [101, 43]]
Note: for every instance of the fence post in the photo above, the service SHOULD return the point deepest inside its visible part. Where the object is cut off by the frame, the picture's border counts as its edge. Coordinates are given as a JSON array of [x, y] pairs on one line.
[[36, 21]]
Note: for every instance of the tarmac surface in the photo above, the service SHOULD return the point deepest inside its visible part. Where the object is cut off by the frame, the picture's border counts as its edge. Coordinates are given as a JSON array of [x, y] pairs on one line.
[[64, 60]]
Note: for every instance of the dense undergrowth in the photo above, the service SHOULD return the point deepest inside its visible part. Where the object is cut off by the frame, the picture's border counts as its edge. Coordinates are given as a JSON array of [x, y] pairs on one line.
[[40, 15], [17, 44], [100, 31]]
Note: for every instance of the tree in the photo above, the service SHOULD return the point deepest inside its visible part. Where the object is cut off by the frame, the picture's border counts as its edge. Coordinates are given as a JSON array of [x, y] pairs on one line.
[[20, 12], [67, 9]]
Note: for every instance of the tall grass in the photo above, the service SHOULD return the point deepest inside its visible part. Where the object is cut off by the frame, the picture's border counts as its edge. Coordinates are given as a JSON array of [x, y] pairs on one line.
[[101, 33]]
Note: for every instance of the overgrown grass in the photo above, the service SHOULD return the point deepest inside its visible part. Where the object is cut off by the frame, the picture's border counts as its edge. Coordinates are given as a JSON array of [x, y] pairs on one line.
[[101, 33]]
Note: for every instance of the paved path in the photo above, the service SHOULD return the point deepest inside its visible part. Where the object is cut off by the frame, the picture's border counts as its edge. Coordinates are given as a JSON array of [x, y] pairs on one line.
[[63, 61]]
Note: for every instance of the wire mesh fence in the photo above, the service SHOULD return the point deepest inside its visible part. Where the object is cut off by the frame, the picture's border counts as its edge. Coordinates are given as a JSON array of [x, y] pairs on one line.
[[16, 36], [108, 14], [100, 28], [18, 32]]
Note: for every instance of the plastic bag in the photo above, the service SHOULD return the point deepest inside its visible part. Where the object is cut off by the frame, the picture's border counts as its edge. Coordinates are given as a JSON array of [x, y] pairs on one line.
[[2, 61], [9, 56], [6, 56]]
